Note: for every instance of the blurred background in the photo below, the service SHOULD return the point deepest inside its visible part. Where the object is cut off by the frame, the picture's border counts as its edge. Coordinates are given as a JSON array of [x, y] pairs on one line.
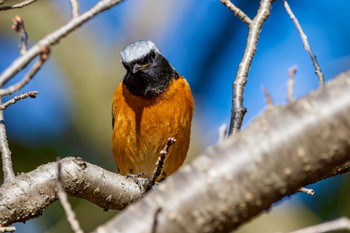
[[204, 41]]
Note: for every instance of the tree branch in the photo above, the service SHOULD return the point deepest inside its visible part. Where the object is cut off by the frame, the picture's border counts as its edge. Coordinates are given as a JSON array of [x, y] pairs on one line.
[[285, 148], [335, 225], [44, 55], [63, 198], [290, 84], [75, 8], [238, 12], [18, 26], [160, 164], [29, 194], [31, 94], [268, 97], [238, 110], [305, 43], [222, 133], [16, 6], [307, 191], [6, 158], [7, 229], [54, 38]]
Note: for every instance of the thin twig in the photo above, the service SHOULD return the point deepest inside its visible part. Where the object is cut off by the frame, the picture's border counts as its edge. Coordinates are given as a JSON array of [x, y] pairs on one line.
[[222, 132], [290, 84], [31, 94], [44, 55], [62, 196], [268, 97], [18, 26], [54, 38], [238, 110], [160, 164], [310, 192], [5, 150], [155, 220], [334, 225], [7, 229], [238, 12], [18, 5], [305, 43], [75, 8]]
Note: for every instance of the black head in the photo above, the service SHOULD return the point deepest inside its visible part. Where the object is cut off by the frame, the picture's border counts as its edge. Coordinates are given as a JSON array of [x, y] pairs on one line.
[[148, 72]]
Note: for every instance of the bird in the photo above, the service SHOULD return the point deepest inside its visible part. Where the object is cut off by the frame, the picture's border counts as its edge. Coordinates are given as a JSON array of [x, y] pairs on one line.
[[152, 103]]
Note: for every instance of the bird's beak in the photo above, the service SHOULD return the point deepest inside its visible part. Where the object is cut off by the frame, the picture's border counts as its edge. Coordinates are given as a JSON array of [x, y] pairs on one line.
[[137, 67]]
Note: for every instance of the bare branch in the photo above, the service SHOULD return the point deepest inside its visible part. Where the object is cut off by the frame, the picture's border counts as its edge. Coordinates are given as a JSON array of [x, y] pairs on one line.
[[290, 84], [18, 5], [54, 38], [18, 26], [44, 54], [238, 12], [222, 133], [155, 220], [160, 164], [37, 189], [268, 97], [75, 8], [310, 192], [7, 229], [62, 196], [270, 141], [6, 158], [238, 110], [279, 152], [305, 43], [31, 94], [335, 225]]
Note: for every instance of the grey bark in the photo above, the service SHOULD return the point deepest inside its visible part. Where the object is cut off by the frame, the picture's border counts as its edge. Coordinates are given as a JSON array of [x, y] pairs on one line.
[[28, 195], [285, 148]]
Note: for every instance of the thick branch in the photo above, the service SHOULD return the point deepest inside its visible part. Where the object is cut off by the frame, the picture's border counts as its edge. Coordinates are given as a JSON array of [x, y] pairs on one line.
[[28, 195], [54, 38], [284, 149]]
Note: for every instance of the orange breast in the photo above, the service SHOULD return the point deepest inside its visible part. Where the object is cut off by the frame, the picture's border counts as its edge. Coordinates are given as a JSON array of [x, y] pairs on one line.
[[142, 126]]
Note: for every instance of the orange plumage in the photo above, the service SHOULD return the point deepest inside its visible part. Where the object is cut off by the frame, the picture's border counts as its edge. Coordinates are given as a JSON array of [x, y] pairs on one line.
[[143, 122]]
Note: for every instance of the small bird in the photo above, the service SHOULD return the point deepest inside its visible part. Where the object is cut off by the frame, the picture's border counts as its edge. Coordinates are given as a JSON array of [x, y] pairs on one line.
[[152, 103]]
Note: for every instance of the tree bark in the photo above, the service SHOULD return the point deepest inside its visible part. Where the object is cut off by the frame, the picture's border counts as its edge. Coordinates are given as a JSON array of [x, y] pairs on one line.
[[28, 195], [285, 148]]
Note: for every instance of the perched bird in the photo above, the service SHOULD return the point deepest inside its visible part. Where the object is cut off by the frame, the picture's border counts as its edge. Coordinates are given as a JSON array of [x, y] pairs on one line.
[[152, 103]]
